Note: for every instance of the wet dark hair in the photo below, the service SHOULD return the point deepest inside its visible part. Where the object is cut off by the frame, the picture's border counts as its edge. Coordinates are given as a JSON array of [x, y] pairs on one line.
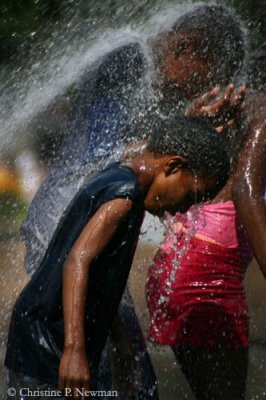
[[203, 148], [220, 38]]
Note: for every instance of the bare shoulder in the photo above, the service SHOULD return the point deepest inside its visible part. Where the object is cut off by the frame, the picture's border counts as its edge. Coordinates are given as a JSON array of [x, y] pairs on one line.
[[116, 206], [114, 211]]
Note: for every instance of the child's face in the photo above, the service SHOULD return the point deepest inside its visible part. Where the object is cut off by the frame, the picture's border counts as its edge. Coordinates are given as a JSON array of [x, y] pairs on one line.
[[176, 190], [181, 67]]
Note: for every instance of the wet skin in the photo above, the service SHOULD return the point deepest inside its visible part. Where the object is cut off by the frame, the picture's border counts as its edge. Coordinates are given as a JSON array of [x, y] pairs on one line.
[[180, 66], [247, 186], [249, 183], [167, 185], [185, 74], [172, 187]]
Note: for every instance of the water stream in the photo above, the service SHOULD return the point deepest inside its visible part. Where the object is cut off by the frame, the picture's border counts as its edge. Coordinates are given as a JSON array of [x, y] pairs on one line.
[[48, 78]]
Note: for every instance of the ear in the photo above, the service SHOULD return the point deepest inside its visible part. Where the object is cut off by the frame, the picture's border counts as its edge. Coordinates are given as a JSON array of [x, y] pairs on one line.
[[174, 164]]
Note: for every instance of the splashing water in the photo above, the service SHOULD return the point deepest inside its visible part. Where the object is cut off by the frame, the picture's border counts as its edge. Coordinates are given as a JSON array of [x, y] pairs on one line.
[[180, 253], [29, 90], [169, 226]]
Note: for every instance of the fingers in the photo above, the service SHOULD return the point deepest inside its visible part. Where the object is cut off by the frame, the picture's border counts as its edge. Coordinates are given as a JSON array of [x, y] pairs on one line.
[[228, 91], [233, 105], [219, 112], [227, 125], [86, 386], [78, 391], [238, 98], [73, 388], [205, 107], [207, 97], [227, 107], [231, 123], [219, 129], [224, 101], [68, 387]]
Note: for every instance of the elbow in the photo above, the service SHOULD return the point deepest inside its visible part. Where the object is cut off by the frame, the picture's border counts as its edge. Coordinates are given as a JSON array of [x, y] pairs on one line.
[[77, 261]]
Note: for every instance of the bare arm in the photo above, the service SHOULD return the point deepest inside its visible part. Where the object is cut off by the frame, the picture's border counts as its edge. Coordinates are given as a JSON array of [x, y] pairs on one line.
[[250, 181], [74, 368]]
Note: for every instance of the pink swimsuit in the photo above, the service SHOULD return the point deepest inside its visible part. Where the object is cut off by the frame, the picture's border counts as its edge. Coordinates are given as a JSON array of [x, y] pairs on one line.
[[194, 286]]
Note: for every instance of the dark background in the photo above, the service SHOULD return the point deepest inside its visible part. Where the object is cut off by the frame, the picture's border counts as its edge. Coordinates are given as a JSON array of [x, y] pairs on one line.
[[24, 23]]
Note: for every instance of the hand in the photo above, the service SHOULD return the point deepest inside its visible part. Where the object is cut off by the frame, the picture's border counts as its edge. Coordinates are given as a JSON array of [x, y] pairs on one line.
[[222, 112], [74, 372]]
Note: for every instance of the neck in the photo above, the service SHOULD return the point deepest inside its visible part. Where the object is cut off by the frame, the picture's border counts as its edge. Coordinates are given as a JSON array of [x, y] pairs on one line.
[[146, 169]]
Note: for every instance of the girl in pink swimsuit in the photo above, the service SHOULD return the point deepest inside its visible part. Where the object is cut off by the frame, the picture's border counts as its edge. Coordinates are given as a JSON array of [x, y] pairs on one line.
[[197, 301]]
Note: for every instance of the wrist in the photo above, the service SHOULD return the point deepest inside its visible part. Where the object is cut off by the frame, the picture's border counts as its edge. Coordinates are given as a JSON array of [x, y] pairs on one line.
[[74, 347]]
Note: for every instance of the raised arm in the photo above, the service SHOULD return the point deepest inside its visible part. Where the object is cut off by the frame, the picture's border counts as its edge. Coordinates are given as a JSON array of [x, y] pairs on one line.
[[74, 367], [250, 180]]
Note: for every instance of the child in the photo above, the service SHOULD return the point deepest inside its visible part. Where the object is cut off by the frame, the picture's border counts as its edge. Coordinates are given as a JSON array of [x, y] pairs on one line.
[[62, 318], [195, 287], [203, 48], [199, 272]]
